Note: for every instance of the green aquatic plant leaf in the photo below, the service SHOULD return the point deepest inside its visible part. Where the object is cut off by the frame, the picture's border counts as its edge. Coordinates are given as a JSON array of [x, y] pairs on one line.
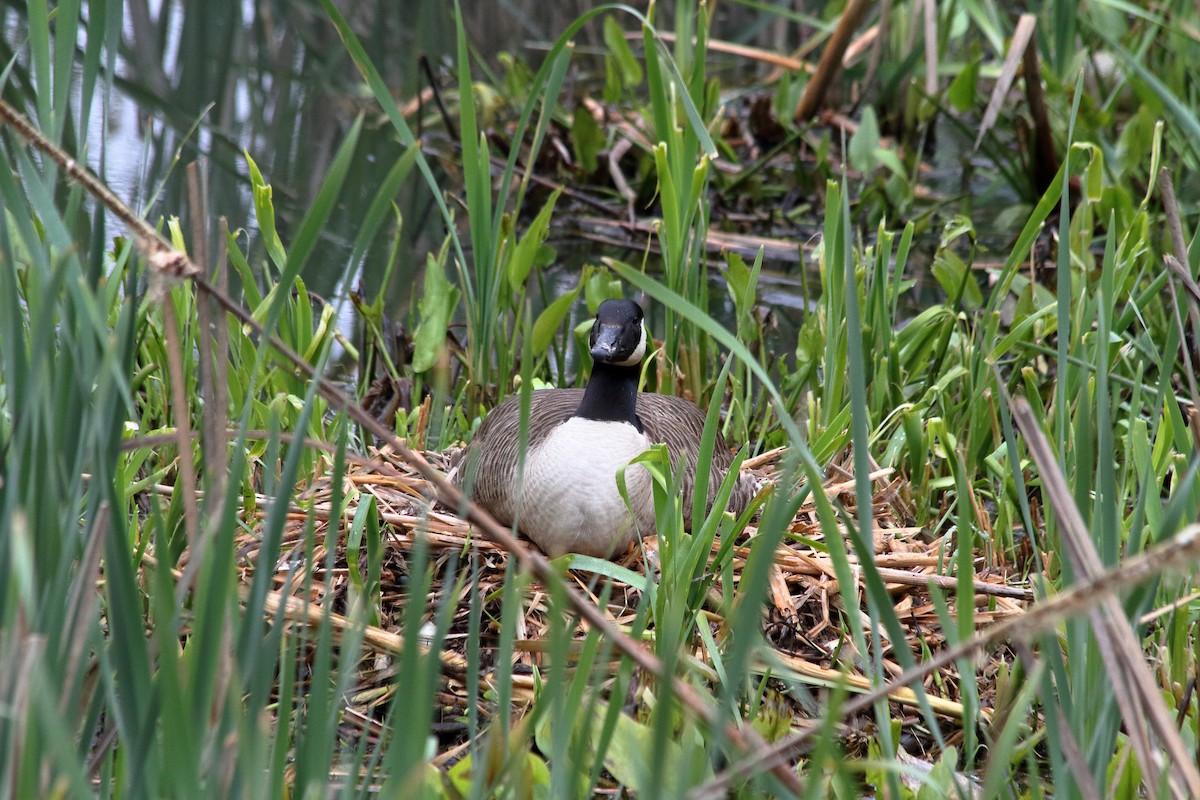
[[264, 211], [439, 298], [628, 757], [954, 276], [526, 253], [618, 46], [963, 89], [865, 142], [548, 322], [587, 140]]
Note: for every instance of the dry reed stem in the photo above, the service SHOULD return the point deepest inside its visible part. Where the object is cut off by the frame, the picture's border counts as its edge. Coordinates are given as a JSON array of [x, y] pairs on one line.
[[931, 47], [1021, 38], [1176, 553], [831, 60], [1141, 704], [741, 51]]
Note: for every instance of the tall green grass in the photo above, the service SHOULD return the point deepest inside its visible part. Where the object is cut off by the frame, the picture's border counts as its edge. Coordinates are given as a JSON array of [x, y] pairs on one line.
[[124, 678], [121, 676]]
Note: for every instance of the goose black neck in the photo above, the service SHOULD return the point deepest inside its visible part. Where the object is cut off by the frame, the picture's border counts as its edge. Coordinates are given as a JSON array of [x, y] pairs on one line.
[[611, 395]]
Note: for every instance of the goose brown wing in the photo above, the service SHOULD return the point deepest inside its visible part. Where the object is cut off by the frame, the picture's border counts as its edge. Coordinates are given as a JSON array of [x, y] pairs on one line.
[[679, 424], [492, 455]]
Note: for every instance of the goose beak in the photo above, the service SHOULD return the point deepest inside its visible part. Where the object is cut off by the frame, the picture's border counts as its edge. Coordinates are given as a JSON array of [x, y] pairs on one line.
[[605, 339]]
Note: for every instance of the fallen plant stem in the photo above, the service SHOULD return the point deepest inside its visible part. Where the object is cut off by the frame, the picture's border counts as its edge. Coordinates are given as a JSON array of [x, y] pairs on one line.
[[1177, 271], [742, 51], [1138, 698], [831, 60], [1177, 552], [824, 566]]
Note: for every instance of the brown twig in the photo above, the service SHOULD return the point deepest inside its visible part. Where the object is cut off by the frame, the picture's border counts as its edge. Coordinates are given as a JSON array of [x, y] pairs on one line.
[[831, 60], [1178, 271], [1145, 716], [1045, 159], [1177, 552], [164, 260], [447, 120]]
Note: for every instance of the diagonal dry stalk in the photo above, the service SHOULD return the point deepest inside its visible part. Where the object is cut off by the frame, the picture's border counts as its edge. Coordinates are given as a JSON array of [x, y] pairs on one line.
[[1177, 271], [1008, 73], [831, 60], [1175, 553], [1147, 720], [166, 262]]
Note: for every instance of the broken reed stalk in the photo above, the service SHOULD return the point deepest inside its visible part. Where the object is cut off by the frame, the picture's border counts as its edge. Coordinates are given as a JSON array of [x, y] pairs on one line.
[[1177, 266], [213, 359], [1138, 697], [1177, 552], [165, 261], [1045, 159], [831, 60], [1022, 36], [931, 48], [183, 422]]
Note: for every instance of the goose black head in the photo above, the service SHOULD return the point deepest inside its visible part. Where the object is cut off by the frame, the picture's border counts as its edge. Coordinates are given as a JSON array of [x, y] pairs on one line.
[[619, 334]]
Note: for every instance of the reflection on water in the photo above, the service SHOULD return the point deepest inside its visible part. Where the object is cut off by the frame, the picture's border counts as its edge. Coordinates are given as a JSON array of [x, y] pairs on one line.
[[212, 80]]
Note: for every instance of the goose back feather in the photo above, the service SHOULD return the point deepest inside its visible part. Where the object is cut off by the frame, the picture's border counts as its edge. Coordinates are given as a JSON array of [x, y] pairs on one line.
[[493, 453]]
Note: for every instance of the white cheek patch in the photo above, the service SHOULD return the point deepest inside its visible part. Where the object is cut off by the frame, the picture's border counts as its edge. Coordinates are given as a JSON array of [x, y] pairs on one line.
[[636, 356]]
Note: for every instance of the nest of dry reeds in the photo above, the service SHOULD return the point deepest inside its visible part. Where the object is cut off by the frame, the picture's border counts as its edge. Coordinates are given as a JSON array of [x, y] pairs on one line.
[[803, 619]]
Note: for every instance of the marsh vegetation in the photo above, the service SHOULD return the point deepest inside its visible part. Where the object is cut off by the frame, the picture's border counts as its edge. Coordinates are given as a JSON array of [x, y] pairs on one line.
[[930, 266]]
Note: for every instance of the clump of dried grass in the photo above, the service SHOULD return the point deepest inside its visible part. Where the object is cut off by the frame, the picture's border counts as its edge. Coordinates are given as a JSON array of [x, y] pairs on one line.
[[802, 619]]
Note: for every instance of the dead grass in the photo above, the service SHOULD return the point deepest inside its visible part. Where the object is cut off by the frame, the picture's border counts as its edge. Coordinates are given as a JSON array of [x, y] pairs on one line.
[[803, 620]]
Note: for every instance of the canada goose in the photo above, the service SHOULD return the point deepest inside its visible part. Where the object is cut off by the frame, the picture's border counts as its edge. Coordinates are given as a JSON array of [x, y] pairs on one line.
[[580, 438]]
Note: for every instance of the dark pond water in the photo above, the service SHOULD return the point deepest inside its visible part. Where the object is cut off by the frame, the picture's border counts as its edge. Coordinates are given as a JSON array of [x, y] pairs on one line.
[[211, 80]]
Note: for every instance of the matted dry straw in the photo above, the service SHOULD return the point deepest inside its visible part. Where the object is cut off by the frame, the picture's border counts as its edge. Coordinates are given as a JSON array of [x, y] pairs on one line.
[[802, 620]]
